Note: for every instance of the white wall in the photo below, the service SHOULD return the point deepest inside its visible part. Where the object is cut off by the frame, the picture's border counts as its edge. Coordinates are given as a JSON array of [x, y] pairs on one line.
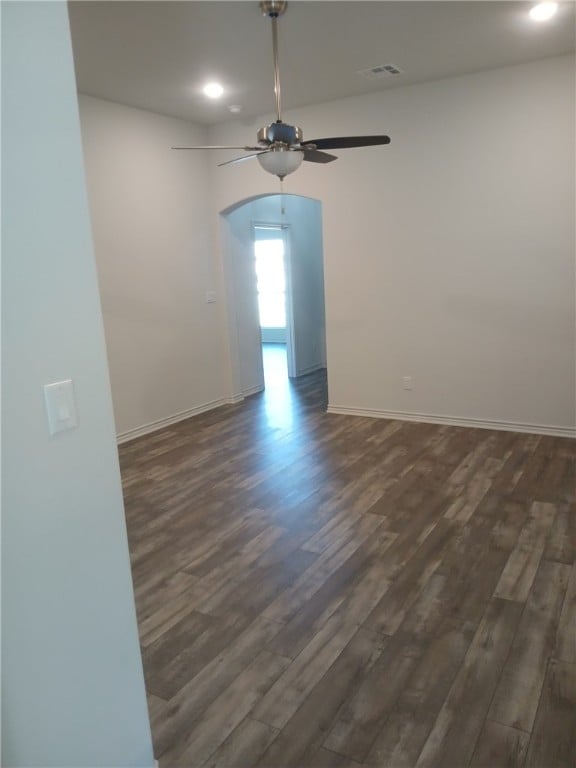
[[449, 255], [273, 335], [72, 683], [151, 225], [303, 218], [242, 301]]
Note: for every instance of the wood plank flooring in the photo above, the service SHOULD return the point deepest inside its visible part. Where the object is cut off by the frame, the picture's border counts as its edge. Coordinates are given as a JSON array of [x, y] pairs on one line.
[[319, 591]]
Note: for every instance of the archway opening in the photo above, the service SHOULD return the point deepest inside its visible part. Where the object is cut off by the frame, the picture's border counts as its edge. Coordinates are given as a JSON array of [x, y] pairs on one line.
[[274, 275]]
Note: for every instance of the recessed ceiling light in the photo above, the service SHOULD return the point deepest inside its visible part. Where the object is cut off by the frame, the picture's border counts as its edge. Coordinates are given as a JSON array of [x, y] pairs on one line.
[[543, 11], [213, 90], [235, 108]]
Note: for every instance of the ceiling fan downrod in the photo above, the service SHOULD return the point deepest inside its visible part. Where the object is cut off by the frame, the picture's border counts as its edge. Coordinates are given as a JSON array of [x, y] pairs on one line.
[[273, 9]]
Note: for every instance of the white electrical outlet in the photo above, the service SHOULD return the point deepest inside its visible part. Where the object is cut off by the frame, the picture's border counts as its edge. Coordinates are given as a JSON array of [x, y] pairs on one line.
[[210, 297], [407, 382]]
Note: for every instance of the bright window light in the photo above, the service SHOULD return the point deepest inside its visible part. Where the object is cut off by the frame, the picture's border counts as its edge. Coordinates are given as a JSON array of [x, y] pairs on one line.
[[213, 90], [271, 283], [543, 11]]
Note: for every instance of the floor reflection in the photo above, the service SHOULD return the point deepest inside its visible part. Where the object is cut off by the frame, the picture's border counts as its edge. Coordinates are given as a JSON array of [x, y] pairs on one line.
[[286, 417], [279, 400]]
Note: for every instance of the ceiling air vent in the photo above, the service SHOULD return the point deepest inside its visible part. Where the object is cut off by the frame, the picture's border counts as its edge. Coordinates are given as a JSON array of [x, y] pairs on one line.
[[383, 70]]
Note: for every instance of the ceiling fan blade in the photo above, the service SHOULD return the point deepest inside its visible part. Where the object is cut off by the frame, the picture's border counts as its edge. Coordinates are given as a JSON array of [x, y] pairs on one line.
[[245, 157], [246, 149], [314, 156], [346, 142]]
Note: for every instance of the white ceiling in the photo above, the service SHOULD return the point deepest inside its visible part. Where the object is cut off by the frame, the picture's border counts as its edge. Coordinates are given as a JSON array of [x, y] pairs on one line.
[[157, 55]]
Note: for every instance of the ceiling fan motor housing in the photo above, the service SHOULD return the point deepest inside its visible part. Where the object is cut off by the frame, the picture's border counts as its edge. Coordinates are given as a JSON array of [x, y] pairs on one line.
[[280, 132]]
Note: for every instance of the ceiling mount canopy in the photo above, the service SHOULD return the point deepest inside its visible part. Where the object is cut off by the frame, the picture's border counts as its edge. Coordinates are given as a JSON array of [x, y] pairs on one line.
[[273, 8], [280, 147]]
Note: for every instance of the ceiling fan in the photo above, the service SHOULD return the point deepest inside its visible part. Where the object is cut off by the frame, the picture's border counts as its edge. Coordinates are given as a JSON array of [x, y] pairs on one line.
[[280, 147]]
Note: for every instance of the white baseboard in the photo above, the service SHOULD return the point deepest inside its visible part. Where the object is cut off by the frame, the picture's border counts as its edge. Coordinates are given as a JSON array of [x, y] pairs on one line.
[[430, 418], [252, 390], [506, 426], [310, 369], [154, 426]]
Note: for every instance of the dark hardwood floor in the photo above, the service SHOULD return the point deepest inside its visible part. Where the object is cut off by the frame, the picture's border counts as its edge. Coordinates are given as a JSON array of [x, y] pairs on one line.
[[317, 590]]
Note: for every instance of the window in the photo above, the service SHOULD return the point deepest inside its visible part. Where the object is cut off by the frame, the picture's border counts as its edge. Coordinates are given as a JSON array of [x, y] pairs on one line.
[[271, 279]]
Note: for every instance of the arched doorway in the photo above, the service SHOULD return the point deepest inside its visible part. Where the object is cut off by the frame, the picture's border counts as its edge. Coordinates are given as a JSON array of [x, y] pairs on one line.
[[300, 220]]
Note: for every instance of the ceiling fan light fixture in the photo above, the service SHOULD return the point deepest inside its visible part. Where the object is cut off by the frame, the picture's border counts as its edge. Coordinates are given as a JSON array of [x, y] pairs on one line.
[[280, 148], [543, 11], [281, 161]]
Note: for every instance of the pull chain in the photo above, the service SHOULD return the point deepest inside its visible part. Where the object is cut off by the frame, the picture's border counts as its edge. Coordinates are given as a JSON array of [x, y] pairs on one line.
[[282, 210]]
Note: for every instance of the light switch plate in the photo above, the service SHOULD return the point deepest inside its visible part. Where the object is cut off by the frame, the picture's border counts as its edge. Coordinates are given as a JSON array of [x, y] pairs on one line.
[[60, 406], [210, 297]]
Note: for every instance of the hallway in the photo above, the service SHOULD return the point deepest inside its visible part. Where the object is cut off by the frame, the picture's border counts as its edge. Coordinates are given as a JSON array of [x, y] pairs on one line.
[[275, 365]]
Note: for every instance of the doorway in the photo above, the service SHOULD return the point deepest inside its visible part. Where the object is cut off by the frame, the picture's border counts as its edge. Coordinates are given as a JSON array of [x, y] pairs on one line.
[[270, 263], [296, 222]]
